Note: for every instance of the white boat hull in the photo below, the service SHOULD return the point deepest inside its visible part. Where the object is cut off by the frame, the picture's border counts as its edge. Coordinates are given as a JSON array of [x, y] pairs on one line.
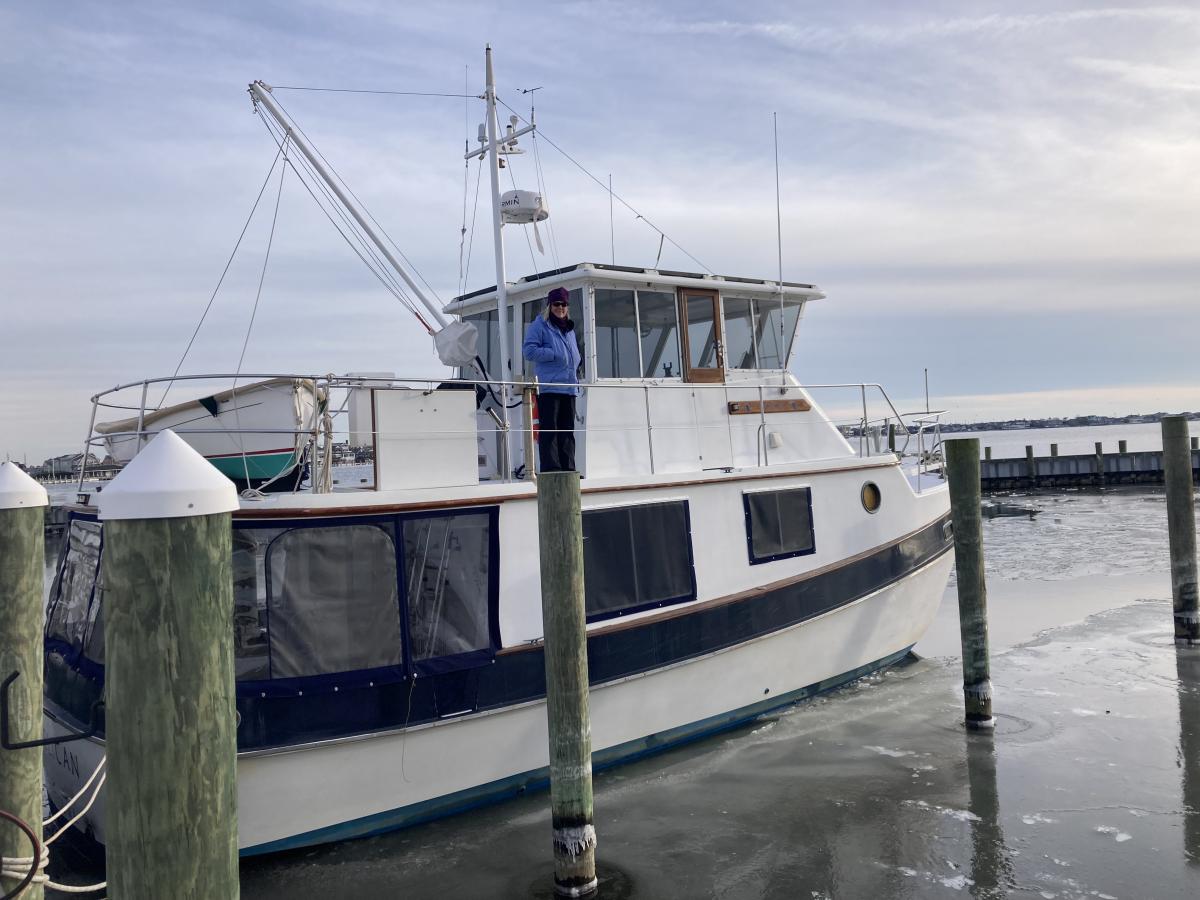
[[254, 433], [361, 785]]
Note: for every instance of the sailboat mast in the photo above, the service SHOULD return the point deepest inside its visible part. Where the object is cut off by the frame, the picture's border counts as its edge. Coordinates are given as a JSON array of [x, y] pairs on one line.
[[505, 375]]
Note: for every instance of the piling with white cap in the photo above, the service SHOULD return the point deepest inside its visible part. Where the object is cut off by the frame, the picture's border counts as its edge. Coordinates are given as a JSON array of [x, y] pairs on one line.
[[1181, 529], [171, 727], [962, 470], [22, 563], [564, 623]]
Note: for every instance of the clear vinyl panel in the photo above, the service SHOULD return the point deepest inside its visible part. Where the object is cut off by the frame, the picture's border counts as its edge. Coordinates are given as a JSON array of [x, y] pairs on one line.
[[447, 567]]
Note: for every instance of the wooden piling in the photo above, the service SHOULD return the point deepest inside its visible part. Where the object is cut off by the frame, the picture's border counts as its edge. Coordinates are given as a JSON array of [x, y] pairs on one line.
[[170, 716], [1054, 449], [1099, 462], [1196, 443], [987, 452], [892, 436], [1181, 529], [1122, 446], [1030, 464], [22, 564], [564, 621], [962, 469]]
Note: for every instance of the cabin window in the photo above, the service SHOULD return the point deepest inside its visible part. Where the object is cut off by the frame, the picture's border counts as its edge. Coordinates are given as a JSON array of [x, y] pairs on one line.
[[488, 346], [658, 320], [775, 342], [333, 600], [72, 590], [616, 335], [534, 308], [447, 569], [739, 333], [779, 524], [637, 557]]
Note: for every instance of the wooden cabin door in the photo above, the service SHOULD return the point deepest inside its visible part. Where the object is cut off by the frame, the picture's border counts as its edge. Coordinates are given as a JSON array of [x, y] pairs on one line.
[[703, 340]]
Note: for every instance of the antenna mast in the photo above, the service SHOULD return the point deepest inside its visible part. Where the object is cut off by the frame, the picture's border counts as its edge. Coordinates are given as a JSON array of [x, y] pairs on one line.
[[494, 147]]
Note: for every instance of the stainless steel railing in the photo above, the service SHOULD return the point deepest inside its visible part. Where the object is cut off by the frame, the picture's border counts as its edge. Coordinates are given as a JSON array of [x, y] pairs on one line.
[[868, 424]]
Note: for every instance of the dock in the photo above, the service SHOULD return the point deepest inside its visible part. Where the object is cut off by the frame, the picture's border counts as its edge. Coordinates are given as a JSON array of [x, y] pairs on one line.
[[1081, 470]]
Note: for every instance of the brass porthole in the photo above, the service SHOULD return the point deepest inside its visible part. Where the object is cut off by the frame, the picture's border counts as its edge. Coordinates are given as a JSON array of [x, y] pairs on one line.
[[870, 496]]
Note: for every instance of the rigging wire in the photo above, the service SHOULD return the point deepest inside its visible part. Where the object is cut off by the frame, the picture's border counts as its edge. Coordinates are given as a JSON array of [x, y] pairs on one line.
[[381, 269], [221, 280], [462, 235], [474, 214], [292, 87], [617, 197], [362, 206], [541, 182], [254, 311], [383, 273], [528, 243]]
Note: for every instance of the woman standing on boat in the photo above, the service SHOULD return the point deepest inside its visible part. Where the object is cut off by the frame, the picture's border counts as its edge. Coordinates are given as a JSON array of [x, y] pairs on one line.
[[551, 346]]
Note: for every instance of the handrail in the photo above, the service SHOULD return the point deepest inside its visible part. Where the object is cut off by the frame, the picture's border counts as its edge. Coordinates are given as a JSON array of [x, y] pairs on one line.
[[869, 429]]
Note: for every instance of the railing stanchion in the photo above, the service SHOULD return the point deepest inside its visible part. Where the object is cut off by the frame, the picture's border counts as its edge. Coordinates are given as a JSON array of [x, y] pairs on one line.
[[87, 443], [142, 416], [649, 425]]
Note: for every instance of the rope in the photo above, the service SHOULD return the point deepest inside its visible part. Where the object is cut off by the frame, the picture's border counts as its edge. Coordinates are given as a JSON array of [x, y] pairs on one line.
[[221, 280], [9, 864], [23, 868], [617, 197]]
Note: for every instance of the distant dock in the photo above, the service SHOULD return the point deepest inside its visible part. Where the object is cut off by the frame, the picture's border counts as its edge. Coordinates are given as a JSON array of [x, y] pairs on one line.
[[1096, 469]]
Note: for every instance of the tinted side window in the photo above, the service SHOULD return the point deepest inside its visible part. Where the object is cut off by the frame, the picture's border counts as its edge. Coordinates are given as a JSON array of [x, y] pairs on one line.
[[778, 524], [447, 562], [637, 557], [333, 600]]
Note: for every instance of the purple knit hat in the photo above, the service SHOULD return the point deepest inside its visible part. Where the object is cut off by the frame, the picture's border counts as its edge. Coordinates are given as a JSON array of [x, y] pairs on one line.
[[559, 293]]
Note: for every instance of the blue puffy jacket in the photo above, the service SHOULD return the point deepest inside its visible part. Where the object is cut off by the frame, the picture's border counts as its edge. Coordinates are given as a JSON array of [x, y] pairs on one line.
[[554, 354]]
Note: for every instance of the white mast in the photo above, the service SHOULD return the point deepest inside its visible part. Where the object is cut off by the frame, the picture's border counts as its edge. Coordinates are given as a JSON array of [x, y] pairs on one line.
[[494, 146], [262, 94]]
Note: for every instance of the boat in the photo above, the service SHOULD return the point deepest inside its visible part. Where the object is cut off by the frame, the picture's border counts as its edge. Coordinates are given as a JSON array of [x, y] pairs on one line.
[[255, 434], [740, 553]]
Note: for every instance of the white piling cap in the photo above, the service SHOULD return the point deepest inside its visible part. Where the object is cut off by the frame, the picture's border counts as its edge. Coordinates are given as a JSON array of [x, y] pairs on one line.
[[167, 480], [17, 489]]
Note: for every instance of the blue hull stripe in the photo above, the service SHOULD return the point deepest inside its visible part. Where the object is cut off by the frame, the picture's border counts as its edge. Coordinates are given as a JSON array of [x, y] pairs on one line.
[[538, 779]]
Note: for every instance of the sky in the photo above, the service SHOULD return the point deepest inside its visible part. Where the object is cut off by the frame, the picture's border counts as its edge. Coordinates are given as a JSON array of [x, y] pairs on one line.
[[1002, 193]]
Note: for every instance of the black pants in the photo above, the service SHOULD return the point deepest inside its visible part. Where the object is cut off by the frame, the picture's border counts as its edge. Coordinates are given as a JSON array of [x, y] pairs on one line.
[[556, 432]]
